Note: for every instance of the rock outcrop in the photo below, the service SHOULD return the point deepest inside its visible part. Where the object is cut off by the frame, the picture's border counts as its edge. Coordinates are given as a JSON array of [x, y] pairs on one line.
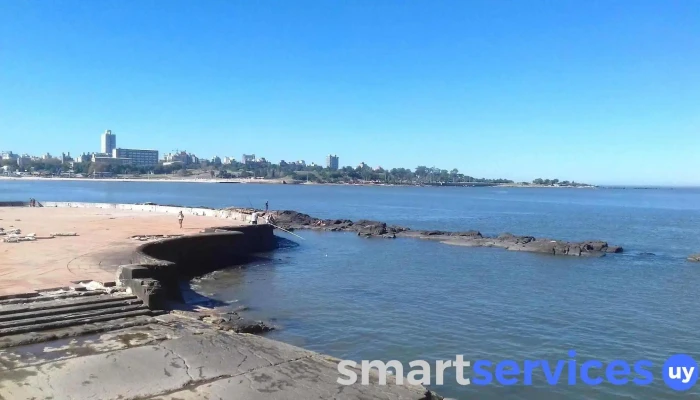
[[694, 257], [291, 220]]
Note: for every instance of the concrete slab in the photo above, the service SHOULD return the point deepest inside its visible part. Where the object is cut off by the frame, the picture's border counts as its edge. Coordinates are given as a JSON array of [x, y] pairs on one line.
[[131, 373], [307, 378], [178, 358]]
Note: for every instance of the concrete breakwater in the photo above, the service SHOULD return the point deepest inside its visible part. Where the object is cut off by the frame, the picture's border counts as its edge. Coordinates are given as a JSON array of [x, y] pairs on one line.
[[592, 248], [159, 266]]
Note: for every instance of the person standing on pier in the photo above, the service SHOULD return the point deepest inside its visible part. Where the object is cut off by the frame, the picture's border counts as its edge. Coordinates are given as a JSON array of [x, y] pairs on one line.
[[180, 217], [254, 218], [267, 205]]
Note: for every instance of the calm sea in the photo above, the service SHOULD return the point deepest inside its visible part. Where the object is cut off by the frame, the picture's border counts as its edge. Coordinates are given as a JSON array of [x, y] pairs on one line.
[[408, 299]]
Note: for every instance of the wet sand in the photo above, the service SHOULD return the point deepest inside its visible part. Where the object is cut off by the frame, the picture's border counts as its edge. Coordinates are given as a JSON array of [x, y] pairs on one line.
[[103, 243]]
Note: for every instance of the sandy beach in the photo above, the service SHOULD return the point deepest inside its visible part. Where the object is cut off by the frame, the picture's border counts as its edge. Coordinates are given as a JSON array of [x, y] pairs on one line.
[[103, 243]]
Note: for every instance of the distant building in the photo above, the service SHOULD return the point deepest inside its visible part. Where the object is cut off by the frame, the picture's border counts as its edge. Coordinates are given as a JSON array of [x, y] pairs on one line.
[[139, 158], [181, 157], [229, 160], [248, 158], [102, 160], [66, 157], [216, 160], [332, 161], [8, 155], [83, 158], [109, 142], [23, 161]]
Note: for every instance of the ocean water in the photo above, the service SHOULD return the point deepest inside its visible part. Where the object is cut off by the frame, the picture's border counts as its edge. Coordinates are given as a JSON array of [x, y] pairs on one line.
[[408, 299]]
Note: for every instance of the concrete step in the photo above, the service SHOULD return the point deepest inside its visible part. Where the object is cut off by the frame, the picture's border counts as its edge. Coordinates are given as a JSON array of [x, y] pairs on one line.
[[63, 308], [72, 322], [72, 315], [60, 303], [30, 338], [38, 297], [67, 314]]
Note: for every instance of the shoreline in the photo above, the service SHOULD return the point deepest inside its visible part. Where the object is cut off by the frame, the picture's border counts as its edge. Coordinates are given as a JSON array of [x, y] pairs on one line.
[[118, 333], [283, 182]]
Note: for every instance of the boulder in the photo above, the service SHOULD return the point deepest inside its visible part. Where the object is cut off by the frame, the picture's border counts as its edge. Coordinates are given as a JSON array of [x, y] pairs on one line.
[[242, 326], [370, 228], [617, 249], [510, 238], [694, 257], [468, 234], [293, 218], [434, 233], [595, 245]]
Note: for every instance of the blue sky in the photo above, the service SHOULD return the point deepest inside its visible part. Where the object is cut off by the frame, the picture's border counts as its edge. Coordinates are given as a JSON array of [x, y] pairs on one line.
[[597, 91]]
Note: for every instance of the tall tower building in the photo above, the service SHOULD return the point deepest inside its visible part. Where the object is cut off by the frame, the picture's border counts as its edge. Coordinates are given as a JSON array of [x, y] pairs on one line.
[[332, 161], [109, 142]]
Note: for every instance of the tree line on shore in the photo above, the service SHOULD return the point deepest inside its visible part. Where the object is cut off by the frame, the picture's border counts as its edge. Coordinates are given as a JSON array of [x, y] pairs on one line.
[[283, 170]]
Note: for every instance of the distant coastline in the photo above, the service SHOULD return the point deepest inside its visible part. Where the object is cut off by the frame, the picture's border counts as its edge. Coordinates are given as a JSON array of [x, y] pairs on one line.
[[276, 182]]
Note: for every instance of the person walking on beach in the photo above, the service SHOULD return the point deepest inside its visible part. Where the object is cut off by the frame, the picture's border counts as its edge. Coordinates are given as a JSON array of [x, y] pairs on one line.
[[254, 218], [180, 217]]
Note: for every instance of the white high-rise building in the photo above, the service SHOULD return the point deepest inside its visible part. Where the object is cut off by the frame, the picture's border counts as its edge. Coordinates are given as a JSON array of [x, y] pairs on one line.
[[109, 142]]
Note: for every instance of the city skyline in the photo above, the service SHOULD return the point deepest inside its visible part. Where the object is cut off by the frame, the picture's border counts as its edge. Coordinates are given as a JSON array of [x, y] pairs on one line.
[[597, 92]]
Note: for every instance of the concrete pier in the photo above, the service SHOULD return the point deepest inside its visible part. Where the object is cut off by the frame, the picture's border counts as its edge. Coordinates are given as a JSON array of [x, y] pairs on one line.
[[170, 356], [107, 342]]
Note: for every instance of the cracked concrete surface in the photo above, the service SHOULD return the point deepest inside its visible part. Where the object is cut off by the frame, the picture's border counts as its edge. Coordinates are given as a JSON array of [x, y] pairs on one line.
[[174, 359]]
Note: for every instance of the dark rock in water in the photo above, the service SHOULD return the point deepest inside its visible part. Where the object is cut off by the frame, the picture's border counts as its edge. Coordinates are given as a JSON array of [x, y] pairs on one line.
[[615, 249], [646, 254], [472, 234], [509, 237], [293, 217], [370, 228], [254, 327], [239, 325], [367, 228], [694, 257], [397, 229], [429, 395], [433, 233]]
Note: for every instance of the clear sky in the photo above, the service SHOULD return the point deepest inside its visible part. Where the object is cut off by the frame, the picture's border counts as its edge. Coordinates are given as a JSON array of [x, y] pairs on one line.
[[603, 92]]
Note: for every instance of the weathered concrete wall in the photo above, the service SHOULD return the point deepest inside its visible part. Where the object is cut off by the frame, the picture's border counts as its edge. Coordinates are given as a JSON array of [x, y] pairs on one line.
[[14, 204], [198, 254], [171, 260], [224, 214]]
